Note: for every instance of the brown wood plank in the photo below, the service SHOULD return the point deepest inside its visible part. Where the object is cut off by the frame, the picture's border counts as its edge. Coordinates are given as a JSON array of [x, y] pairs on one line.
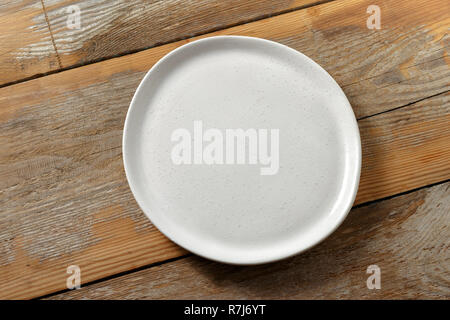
[[63, 192], [406, 236], [410, 49], [402, 149], [110, 28], [26, 46], [126, 26]]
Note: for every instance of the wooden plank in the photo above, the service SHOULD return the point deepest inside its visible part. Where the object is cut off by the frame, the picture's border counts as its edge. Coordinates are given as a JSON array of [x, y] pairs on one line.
[[406, 237], [26, 46], [126, 26], [402, 149], [111, 28], [64, 196], [410, 49]]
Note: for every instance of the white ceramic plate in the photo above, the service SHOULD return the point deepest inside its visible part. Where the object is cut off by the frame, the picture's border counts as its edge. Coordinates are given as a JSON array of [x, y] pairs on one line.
[[233, 212]]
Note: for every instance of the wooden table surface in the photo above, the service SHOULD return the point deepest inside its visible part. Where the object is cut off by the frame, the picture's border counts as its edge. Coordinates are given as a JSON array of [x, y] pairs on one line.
[[64, 198]]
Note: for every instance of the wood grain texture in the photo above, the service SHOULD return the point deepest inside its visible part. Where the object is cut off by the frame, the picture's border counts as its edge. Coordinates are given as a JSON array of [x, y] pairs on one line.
[[405, 148], [26, 45], [406, 236], [63, 192], [410, 50], [110, 28], [31, 46]]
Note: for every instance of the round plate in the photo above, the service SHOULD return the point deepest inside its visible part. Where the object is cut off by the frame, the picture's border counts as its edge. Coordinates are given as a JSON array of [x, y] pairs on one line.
[[242, 150]]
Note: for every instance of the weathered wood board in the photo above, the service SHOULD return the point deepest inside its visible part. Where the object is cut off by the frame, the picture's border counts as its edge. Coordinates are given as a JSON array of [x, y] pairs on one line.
[[40, 36], [64, 198], [110, 28], [26, 47], [406, 237]]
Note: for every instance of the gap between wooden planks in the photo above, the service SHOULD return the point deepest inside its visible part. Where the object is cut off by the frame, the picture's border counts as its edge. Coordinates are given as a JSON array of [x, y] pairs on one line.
[[32, 46], [26, 47], [405, 236], [65, 199]]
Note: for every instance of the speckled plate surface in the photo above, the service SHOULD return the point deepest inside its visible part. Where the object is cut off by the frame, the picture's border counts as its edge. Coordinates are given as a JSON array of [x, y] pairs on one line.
[[235, 212]]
